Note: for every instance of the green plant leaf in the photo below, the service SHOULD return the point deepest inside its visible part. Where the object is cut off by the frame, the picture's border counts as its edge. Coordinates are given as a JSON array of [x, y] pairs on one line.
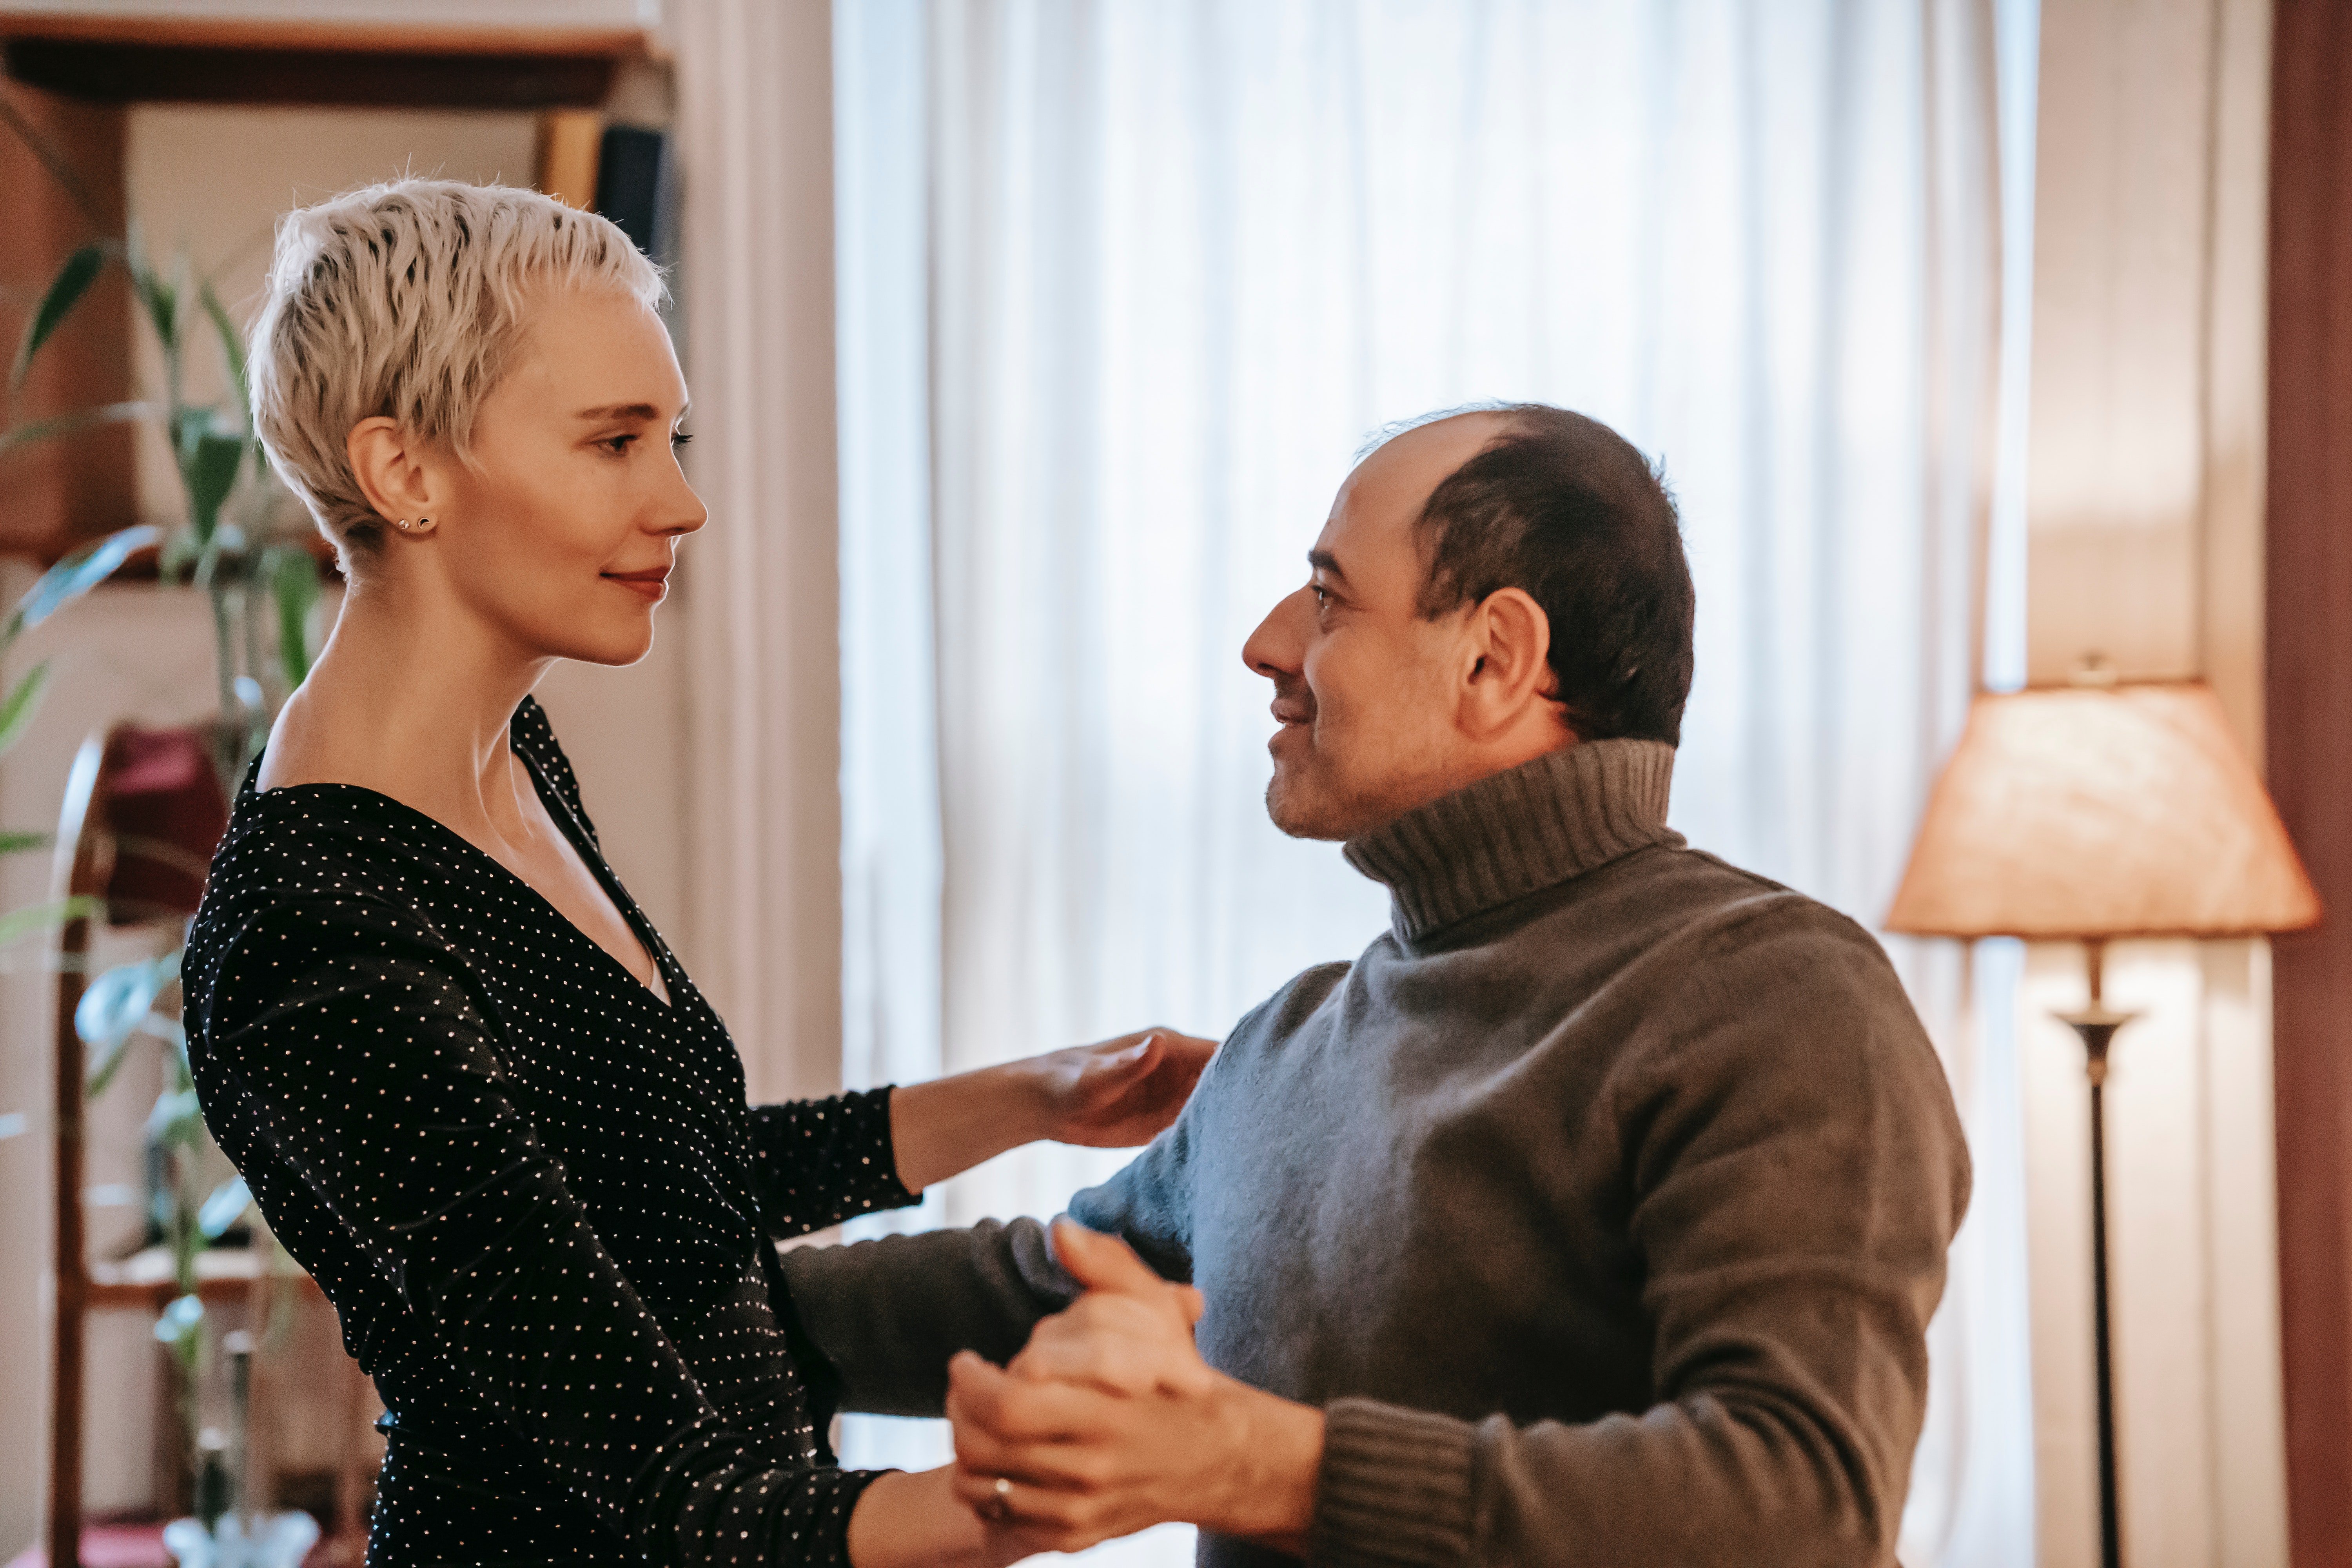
[[116, 1003], [232, 343], [162, 302], [208, 464], [70, 424], [178, 1322], [223, 1208], [65, 291], [19, 924], [176, 1118], [75, 575], [99, 1075], [17, 710], [294, 585], [17, 840]]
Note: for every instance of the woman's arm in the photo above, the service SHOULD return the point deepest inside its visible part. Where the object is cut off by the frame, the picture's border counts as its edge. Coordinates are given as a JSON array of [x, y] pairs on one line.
[[1114, 1095], [904, 1521]]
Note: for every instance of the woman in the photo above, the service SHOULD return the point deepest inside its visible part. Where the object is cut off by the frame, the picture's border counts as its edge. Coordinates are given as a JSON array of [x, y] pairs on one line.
[[471, 1088]]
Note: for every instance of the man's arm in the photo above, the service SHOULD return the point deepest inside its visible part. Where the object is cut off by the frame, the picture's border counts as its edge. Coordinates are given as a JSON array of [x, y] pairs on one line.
[[888, 1314], [1794, 1173]]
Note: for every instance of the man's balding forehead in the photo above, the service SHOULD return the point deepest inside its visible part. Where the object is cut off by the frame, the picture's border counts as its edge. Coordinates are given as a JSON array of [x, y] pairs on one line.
[[1499, 411]]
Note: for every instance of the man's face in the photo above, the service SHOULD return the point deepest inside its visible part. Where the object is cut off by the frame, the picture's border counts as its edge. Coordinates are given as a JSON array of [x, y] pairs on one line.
[[1365, 688]]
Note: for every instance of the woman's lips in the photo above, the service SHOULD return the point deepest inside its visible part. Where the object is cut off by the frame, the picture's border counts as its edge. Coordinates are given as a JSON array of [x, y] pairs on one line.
[[653, 585]]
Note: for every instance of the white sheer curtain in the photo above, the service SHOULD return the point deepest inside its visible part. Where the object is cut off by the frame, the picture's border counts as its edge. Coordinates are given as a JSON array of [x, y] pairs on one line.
[[1122, 285]]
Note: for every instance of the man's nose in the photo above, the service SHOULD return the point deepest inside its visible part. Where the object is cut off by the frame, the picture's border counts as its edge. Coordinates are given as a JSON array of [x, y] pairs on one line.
[[1275, 649]]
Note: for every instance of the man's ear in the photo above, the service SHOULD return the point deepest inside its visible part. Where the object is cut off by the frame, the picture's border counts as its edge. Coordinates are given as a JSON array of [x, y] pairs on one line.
[[390, 469], [1511, 644]]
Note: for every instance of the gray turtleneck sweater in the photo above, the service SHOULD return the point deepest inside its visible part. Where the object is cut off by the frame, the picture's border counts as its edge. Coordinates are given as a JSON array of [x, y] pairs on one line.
[[1601, 1205]]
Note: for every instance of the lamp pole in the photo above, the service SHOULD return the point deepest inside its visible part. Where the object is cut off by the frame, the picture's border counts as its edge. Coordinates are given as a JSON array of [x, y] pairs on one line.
[[2097, 1025]]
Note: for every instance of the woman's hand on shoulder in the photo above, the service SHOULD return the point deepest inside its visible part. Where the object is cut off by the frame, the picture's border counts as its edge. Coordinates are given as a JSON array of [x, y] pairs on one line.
[[1112, 1095], [1116, 1093]]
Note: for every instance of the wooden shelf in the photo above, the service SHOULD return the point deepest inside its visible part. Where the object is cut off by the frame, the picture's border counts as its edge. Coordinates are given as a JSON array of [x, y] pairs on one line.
[[149, 59], [146, 1277]]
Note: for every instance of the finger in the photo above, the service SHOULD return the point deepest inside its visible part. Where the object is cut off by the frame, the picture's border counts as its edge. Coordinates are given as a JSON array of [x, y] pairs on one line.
[[1042, 1519], [1021, 1411], [1109, 1068], [1102, 1262], [1120, 1366], [1124, 1345], [1188, 1051], [996, 1509], [1054, 1466], [1115, 1313]]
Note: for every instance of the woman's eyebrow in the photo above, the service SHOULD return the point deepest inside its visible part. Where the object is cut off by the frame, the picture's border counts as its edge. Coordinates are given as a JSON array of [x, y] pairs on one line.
[[620, 411]]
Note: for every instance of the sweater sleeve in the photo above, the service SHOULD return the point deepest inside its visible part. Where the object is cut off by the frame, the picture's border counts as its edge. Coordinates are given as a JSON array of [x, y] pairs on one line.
[[816, 1162], [1794, 1172], [371, 1071], [888, 1314]]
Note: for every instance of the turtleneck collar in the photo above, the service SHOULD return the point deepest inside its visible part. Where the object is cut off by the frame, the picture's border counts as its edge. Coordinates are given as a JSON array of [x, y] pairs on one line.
[[1519, 831]]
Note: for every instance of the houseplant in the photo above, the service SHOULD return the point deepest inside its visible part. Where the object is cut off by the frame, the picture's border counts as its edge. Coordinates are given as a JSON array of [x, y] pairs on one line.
[[239, 540]]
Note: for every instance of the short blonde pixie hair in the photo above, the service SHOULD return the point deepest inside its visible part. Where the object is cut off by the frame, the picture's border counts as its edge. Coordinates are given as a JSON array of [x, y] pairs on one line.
[[407, 300]]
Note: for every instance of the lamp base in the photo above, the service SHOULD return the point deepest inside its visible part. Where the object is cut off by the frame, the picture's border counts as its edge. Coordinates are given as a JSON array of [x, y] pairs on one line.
[[2097, 1024]]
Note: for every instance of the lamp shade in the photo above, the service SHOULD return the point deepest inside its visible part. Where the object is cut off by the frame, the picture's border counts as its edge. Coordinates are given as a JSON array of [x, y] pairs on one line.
[[2092, 812]]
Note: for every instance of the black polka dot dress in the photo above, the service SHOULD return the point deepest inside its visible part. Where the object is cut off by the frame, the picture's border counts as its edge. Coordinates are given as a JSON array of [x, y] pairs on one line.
[[533, 1191]]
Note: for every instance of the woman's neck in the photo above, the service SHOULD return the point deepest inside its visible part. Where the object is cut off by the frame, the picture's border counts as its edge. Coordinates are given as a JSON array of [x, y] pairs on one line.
[[411, 697]]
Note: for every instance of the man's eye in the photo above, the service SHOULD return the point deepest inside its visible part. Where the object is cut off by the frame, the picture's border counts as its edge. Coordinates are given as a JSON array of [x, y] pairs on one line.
[[1322, 594]]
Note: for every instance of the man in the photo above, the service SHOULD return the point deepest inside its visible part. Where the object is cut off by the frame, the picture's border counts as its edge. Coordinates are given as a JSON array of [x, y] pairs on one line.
[[1594, 1216]]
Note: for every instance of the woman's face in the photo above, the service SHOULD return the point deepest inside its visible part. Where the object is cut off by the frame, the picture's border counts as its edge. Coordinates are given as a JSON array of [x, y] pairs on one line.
[[560, 534]]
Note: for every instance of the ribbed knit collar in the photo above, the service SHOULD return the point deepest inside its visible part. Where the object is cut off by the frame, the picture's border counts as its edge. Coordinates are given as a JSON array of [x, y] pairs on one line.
[[1520, 831]]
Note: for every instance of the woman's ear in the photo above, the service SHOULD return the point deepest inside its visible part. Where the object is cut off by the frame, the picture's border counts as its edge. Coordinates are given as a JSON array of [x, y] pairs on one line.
[[1512, 639], [391, 473]]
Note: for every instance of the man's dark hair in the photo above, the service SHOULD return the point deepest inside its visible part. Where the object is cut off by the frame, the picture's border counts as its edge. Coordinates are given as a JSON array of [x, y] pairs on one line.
[[1563, 507]]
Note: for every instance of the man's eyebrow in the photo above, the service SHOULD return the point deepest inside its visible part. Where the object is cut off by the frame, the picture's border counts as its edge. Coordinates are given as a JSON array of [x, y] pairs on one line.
[[620, 411], [1324, 561]]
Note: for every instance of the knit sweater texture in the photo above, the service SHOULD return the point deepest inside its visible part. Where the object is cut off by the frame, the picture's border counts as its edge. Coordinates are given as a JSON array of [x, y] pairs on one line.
[[1601, 1207]]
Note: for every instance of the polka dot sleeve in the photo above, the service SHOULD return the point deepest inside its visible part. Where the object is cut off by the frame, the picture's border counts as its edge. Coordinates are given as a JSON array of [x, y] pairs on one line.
[[365, 1067], [820, 1162]]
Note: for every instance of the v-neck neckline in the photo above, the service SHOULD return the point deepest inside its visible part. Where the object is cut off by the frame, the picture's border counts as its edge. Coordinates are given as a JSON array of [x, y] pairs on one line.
[[567, 822]]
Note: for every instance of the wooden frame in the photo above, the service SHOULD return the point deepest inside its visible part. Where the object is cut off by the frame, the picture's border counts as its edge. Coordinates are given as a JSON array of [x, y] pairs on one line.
[[2308, 694], [57, 494], [115, 59]]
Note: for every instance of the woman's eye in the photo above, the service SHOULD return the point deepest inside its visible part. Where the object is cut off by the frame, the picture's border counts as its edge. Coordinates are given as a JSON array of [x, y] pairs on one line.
[[679, 438], [618, 445]]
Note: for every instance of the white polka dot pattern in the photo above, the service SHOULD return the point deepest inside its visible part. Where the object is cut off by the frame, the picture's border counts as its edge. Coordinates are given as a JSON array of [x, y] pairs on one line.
[[533, 1191]]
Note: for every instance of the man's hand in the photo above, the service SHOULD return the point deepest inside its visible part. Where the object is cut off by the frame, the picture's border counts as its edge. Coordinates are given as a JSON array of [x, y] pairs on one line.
[[1109, 1422]]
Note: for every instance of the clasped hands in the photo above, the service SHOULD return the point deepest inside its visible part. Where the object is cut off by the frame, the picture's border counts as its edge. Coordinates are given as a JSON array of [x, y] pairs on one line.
[[1108, 1422]]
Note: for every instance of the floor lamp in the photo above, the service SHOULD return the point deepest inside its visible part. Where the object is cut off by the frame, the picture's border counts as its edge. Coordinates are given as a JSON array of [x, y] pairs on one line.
[[2090, 813]]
